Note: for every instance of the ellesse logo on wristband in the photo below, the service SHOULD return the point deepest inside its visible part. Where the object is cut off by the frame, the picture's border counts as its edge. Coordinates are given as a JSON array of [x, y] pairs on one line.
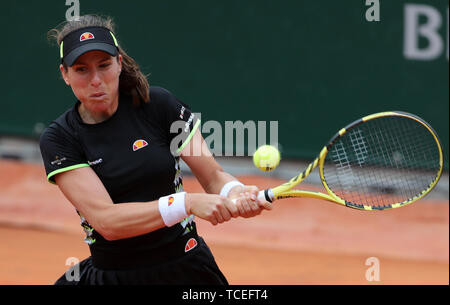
[[170, 201]]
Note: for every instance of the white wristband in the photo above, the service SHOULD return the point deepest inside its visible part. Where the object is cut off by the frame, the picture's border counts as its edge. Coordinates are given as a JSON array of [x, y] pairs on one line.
[[172, 208], [228, 186]]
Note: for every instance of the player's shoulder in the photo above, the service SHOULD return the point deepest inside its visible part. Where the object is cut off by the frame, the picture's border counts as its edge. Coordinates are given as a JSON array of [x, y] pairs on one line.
[[165, 99], [61, 128], [161, 101], [160, 95]]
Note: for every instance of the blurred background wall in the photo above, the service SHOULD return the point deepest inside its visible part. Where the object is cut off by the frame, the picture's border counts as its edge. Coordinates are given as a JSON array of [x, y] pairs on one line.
[[313, 66]]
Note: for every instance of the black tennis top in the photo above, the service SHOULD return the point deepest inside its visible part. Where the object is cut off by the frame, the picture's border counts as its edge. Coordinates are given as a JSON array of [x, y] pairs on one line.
[[134, 153]]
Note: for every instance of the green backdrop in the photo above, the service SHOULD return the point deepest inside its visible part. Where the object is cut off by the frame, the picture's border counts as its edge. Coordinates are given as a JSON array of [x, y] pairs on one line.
[[313, 66]]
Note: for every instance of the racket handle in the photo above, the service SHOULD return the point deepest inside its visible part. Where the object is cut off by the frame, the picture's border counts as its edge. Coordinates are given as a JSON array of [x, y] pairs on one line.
[[266, 195]]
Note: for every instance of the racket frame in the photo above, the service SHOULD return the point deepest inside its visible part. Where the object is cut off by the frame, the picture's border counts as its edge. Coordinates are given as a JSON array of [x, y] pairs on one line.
[[285, 190]]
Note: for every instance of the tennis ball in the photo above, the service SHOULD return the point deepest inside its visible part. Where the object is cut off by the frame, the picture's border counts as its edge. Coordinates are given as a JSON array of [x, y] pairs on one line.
[[266, 158]]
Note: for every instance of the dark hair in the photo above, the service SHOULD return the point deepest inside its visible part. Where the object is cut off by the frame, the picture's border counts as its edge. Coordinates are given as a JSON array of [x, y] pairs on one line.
[[131, 81]]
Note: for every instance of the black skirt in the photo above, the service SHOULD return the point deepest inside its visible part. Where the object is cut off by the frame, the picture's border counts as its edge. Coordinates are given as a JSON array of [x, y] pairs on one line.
[[195, 267]]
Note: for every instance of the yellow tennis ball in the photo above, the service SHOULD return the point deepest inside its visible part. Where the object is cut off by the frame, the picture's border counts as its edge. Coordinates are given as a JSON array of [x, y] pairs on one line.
[[266, 158]]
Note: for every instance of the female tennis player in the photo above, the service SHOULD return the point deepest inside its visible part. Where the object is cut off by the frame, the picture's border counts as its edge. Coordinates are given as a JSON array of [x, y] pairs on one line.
[[113, 156]]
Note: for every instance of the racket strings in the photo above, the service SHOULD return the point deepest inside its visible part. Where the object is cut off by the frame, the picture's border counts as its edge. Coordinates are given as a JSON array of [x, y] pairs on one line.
[[399, 146], [383, 161]]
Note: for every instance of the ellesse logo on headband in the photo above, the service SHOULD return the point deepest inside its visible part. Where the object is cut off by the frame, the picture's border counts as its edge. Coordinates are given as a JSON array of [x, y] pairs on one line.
[[86, 36], [138, 144]]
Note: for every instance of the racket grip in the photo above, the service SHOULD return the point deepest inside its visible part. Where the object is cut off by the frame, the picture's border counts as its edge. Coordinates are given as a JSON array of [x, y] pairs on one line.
[[266, 195]]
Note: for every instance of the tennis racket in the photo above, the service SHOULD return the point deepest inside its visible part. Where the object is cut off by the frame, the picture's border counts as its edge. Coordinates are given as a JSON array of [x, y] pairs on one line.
[[382, 161]]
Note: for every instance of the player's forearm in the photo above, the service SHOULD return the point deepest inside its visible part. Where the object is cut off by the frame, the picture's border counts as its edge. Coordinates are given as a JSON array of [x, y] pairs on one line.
[[218, 179], [130, 219]]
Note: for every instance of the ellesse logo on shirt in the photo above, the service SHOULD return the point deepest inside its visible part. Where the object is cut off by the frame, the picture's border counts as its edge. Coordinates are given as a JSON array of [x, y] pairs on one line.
[[138, 144], [191, 244]]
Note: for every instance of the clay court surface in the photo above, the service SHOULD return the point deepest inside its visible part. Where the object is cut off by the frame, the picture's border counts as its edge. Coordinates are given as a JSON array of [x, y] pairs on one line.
[[299, 242]]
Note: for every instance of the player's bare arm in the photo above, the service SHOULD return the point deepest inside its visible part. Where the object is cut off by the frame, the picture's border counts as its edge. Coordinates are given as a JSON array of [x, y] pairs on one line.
[[212, 177], [84, 190]]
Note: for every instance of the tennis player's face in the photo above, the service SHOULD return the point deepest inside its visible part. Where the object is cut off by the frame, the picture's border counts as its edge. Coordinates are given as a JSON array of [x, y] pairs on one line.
[[94, 78]]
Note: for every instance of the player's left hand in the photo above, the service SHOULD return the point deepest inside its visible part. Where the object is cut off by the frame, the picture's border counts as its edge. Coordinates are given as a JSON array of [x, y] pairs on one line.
[[247, 202]]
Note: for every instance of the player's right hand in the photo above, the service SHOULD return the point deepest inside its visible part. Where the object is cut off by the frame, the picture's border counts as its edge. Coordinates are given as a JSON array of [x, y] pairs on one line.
[[211, 207]]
